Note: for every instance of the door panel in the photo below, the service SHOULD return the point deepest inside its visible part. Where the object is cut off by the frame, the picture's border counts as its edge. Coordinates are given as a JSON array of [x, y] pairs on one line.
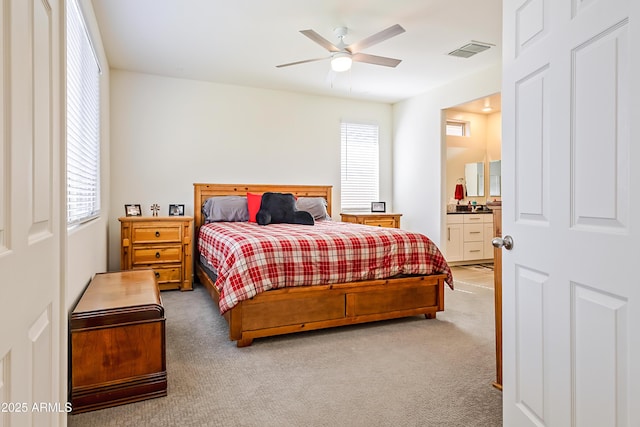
[[41, 155], [600, 328], [30, 211], [40, 353], [600, 122], [530, 330], [531, 23], [569, 287], [532, 146], [4, 157]]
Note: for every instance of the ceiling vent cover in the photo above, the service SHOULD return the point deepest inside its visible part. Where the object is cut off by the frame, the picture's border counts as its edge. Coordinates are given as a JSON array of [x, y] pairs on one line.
[[470, 49]]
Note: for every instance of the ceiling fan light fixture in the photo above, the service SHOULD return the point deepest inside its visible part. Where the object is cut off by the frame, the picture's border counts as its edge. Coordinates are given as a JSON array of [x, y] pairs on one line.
[[341, 61], [342, 55]]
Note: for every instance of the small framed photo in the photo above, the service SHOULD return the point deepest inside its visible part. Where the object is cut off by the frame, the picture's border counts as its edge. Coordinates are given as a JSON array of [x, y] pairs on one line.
[[176, 210], [378, 207], [132, 210]]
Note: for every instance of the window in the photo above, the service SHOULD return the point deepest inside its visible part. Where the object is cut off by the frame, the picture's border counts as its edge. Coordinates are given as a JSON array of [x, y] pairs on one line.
[[83, 121], [455, 128], [359, 166]]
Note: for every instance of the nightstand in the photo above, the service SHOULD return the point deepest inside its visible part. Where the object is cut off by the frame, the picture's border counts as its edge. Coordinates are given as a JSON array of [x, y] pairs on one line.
[[161, 243], [389, 220]]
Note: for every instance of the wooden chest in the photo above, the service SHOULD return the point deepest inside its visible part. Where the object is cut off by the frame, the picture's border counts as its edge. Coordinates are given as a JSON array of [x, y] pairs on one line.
[[117, 343], [161, 243]]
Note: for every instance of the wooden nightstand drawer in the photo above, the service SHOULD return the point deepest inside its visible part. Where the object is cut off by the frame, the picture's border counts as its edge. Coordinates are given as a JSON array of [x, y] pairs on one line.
[[168, 277], [162, 243], [167, 274], [161, 234], [156, 254], [381, 222]]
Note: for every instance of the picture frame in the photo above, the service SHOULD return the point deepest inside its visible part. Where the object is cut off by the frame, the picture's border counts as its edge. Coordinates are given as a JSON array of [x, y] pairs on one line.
[[176, 210], [132, 210], [378, 207]]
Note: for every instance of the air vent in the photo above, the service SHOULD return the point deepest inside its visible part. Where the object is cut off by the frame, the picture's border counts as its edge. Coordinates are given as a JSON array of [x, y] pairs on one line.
[[470, 49]]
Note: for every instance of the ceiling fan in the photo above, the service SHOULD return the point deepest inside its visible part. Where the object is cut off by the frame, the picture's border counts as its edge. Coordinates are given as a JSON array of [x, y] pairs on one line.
[[343, 55]]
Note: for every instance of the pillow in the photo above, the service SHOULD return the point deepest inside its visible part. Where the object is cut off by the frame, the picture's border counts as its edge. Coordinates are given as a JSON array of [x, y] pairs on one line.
[[225, 208], [253, 202], [316, 206]]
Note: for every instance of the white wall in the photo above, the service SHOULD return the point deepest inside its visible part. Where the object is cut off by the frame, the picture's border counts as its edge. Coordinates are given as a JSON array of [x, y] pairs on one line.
[[167, 134], [494, 136], [419, 152], [84, 250]]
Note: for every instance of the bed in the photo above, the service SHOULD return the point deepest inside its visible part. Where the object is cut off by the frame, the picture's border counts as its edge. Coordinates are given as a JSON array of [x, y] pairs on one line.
[[309, 307]]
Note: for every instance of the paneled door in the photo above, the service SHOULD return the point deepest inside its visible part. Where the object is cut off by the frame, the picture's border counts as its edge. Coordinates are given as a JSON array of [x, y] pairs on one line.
[[570, 283], [30, 214]]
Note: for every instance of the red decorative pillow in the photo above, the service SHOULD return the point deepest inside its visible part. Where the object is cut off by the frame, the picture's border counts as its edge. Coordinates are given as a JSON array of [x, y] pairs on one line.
[[253, 203]]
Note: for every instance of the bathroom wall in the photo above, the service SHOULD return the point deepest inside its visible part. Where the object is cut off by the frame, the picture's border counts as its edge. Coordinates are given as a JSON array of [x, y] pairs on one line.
[[483, 144]]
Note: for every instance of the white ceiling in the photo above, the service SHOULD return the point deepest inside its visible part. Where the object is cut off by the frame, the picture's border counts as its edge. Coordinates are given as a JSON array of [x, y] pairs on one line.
[[494, 102], [240, 42]]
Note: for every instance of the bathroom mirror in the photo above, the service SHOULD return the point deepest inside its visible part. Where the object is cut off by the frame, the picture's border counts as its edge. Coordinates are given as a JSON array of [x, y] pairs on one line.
[[495, 183], [474, 179]]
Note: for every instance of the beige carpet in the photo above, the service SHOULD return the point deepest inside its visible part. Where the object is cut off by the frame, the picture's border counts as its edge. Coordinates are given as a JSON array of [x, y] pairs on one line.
[[409, 372]]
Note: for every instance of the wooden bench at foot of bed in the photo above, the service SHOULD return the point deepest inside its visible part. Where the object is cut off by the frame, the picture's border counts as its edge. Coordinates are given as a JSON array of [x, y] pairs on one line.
[[298, 309]]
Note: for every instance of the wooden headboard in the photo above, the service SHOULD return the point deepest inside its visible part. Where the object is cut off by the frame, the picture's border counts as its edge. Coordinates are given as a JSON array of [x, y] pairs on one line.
[[201, 192]]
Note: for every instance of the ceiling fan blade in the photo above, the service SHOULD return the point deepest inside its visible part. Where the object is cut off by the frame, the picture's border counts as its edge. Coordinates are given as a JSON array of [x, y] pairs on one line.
[[301, 62], [381, 36], [320, 40], [376, 60]]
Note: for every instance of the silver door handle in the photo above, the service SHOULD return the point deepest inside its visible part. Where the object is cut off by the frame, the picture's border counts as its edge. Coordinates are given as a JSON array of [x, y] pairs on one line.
[[506, 242]]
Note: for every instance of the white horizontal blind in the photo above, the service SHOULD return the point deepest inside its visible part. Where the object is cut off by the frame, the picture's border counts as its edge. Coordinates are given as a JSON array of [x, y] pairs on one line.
[[359, 166], [455, 128], [83, 121]]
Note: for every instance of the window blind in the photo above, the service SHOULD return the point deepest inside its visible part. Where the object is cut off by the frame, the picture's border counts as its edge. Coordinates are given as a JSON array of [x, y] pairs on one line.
[[456, 128], [83, 121], [359, 166]]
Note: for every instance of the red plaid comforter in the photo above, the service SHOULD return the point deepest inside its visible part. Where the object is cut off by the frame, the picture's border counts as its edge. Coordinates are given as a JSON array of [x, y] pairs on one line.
[[250, 258]]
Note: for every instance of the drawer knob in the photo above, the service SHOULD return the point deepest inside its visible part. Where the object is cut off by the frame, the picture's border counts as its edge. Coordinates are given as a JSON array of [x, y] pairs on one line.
[[157, 234], [157, 274], [157, 254]]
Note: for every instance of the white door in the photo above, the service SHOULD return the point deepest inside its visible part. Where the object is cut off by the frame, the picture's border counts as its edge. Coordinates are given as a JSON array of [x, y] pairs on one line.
[[30, 260], [571, 288]]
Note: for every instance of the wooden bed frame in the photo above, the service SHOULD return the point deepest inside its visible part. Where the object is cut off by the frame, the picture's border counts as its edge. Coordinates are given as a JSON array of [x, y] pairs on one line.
[[297, 309]]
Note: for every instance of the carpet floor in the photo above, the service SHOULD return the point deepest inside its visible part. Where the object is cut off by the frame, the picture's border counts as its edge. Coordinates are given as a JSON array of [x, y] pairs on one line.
[[407, 372]]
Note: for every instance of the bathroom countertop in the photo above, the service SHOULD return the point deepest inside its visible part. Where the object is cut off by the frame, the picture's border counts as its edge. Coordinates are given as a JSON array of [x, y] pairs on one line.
[[470, 212]]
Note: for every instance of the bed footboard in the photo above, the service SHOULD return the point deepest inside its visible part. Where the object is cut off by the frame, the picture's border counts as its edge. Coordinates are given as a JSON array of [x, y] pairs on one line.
[[289, 310]]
